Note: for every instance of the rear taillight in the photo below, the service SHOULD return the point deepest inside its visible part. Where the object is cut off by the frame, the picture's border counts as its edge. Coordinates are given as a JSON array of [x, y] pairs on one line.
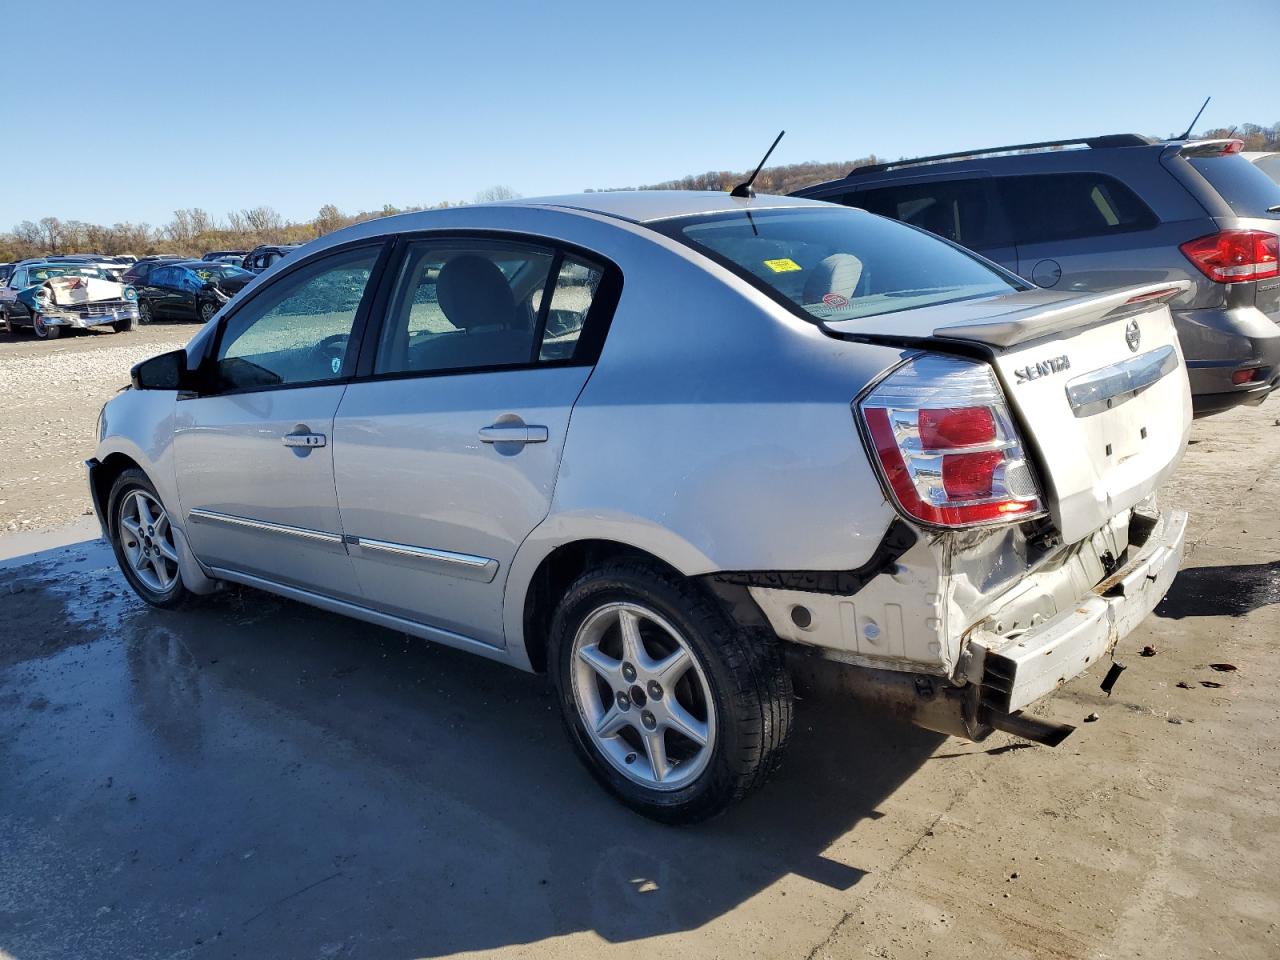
[[946, 445], [1235, 256]]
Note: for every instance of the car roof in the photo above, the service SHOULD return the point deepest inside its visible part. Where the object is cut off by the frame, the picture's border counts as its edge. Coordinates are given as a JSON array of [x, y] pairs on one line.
[[648, 206]]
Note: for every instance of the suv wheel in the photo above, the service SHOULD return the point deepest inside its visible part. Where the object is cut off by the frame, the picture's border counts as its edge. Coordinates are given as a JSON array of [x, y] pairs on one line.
[[143, 541], [674, 709]]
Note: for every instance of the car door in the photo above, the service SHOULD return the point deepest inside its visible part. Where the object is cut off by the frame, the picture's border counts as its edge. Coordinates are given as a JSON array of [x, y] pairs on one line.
[[445, 456], [160, 291], [253, 453], [959, 207]]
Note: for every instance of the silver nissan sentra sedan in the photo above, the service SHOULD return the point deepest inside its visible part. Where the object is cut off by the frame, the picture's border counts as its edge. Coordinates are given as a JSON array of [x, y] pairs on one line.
[[672, 448]]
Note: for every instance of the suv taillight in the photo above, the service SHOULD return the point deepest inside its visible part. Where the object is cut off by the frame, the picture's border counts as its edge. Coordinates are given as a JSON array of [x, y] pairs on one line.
[[946, 445], [1235, 256]]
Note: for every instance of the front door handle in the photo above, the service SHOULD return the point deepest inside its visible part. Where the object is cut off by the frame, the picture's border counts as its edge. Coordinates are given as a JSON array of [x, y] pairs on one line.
[[513, 433], [304, 440]]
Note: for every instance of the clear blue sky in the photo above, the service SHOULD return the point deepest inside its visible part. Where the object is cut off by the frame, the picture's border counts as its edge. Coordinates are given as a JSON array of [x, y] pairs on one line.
[[144, 107]]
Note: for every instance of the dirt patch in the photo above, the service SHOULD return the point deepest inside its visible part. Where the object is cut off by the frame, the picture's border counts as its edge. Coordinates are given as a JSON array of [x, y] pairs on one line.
[[51, 392]]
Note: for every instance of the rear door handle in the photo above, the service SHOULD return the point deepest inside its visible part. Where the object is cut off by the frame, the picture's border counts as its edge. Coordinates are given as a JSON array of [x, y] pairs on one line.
[[304, 440], [513, 433]]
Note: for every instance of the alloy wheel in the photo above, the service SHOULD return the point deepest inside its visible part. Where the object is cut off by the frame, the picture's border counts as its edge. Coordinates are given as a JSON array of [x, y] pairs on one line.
[[147, 539], [643, 698]]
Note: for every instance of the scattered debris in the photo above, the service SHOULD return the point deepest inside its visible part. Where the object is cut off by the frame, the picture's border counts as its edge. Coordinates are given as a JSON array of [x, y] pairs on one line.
[[1210, 683], [1112, 676], [1222, 667], [1186, 686], [1091, 718], [1148, 651], [1175, 720]]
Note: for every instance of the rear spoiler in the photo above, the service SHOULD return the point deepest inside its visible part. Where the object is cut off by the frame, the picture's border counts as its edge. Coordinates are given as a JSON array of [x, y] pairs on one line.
[[1034, 322]]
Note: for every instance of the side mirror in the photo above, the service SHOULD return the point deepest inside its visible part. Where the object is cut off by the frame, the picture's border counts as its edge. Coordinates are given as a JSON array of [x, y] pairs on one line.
[[165, 372]]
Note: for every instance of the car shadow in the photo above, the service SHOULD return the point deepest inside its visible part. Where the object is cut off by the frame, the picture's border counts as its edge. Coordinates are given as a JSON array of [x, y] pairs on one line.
[[315, 780], [1221, 591]]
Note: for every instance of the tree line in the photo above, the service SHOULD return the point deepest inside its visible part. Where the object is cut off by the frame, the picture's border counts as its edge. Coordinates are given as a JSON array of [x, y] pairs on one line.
[[194, 231]]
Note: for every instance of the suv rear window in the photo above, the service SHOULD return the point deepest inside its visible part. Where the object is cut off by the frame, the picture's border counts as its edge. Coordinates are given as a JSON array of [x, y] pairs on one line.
[[1069, 206], [836, 263], [1249, 192]]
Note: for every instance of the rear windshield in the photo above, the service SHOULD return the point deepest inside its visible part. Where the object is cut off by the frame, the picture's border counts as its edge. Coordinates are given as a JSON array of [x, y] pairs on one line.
[[1248, 191], [837, 263]]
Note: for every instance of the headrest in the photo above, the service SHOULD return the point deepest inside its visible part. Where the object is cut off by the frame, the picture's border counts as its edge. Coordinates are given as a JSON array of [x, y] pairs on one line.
[[473, 292], [838, 273]]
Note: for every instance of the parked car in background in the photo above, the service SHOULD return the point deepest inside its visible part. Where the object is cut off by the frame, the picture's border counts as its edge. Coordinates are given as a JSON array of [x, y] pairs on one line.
[[52, 297], [189, 290], [1096, 214], [262, 257], [661, 444], [226, 256], [1268, 163], [6, 269], [138, 273]]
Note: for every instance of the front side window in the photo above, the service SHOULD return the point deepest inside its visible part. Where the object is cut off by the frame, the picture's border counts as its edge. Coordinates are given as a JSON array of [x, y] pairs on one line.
[[1070, 206], [835, 264], [959, 210], [462, 305], [296, 330], [165, 277]]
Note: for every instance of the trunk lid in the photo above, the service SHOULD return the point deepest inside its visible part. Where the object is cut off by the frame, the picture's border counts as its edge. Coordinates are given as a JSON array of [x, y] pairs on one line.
[[1096, 383]]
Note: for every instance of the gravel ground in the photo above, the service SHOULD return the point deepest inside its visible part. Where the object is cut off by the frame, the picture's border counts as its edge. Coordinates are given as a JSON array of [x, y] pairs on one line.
[[51, 392]]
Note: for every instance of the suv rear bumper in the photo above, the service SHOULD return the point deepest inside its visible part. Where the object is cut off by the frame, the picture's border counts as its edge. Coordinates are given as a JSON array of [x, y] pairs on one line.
[[1014, 673], [1217, 344]]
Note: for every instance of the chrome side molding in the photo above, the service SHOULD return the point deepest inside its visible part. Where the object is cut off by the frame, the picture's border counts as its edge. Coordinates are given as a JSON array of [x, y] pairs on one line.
[[1112, 385], [230, 520], [463, 565]]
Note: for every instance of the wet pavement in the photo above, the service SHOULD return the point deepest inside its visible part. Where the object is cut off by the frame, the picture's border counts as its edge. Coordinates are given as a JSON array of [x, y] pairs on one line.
[[255, 778]]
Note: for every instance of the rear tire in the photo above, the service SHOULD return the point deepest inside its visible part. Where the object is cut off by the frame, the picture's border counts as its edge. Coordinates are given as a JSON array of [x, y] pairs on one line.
[[733, 696], [144, 543]]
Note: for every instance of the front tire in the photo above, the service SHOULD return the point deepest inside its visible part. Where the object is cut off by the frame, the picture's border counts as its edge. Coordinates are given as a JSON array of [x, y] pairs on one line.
[[675, 709], [145, 315], [143, 540], [42, 330], [207, 310], [123, 326]]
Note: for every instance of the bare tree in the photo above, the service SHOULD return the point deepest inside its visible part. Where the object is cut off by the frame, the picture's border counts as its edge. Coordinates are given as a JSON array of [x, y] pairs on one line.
[[329, 219]]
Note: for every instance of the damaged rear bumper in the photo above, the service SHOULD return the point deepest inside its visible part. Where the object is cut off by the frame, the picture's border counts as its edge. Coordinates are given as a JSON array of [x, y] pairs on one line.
[[1013, 672]]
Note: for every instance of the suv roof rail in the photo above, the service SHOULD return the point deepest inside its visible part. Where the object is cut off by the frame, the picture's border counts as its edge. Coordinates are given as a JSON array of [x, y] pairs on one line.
[[1094, 143]]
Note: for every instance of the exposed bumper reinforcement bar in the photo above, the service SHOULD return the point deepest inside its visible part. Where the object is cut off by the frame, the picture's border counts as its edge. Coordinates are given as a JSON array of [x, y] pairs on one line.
[[1015, 672]]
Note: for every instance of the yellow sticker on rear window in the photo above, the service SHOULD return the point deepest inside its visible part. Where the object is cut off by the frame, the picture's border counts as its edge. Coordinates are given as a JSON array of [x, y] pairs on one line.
[[783, 265]]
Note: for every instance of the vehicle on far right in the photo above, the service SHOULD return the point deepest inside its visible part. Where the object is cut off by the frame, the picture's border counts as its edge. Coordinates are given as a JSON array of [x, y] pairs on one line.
[[1099, 213], [1268, 163]]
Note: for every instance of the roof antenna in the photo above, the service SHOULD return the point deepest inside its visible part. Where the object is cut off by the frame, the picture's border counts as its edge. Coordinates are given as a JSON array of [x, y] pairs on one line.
[[743, 189], [1193, 122]]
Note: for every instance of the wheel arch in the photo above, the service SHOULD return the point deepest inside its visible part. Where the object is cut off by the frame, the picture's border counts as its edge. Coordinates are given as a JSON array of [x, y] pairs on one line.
[[551, 559]]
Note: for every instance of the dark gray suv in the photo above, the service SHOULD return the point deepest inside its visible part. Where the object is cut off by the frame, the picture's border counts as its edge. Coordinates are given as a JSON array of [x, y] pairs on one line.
[[1108, 212]]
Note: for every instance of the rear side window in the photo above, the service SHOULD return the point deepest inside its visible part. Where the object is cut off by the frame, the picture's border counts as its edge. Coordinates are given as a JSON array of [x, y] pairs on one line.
[[959, 210], [1069, 206], [831, 264], [1248, 191], [476, 305]]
